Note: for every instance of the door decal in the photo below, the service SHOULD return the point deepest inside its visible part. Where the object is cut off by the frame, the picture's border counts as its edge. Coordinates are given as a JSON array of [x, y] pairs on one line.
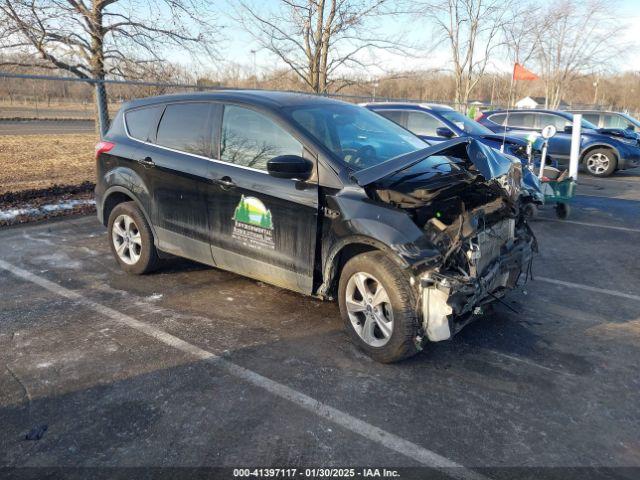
[[253, 224]]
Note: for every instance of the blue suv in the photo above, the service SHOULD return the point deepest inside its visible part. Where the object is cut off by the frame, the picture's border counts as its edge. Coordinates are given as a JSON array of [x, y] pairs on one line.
[[602, 151], [438, 123]]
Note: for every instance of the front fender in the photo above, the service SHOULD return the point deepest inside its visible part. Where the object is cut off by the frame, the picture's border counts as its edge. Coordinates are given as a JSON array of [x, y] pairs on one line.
[[383, 227]]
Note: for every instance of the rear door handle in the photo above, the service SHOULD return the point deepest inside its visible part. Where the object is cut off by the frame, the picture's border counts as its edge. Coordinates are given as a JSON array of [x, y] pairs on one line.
[[147, 162], [225, 183]]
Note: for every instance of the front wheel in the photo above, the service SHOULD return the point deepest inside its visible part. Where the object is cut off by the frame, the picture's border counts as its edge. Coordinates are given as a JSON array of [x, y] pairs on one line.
[[378, 307], [600, 162]]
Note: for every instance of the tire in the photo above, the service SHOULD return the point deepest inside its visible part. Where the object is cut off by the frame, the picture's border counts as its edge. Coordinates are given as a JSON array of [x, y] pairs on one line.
[[375, 269], [600, 162], [131, 239], [530, 210], [562, 211]]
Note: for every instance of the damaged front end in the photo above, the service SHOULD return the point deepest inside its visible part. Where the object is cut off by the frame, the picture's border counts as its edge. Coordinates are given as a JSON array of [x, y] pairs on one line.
[[468, 209]]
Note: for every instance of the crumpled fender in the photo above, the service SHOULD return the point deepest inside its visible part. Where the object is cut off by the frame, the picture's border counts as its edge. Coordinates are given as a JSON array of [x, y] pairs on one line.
[[384, 225]]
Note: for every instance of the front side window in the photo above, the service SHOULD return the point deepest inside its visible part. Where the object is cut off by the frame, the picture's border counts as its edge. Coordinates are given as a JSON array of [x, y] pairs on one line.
[[185, 127], [395, 116], [251, 139], [557, 121], [358, 137], [614, 121], [424, 124]]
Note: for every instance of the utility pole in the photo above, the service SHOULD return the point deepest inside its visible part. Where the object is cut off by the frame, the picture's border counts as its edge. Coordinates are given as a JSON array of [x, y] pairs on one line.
[[255, 69]]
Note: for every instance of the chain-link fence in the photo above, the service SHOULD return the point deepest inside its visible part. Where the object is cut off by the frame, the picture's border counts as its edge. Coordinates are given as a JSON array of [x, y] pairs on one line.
[[48, 128]]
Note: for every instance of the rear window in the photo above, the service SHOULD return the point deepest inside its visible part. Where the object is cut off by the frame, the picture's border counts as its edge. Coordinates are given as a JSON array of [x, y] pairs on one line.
[[184, 127], [140, 121]]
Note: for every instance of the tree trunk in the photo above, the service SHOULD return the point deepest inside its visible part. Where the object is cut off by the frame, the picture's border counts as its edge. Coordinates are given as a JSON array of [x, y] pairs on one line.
[[97, 67]]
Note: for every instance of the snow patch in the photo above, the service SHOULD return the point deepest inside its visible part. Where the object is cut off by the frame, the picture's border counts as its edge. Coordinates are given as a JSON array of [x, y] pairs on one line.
[[12, 213]]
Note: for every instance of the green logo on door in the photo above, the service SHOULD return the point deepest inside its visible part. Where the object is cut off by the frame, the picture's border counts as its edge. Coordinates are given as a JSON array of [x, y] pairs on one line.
[[252, 211]]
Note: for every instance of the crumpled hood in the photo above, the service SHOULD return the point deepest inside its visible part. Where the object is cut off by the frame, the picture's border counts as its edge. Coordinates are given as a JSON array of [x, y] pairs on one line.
[[618, 133], [488, 162], [507, 140]]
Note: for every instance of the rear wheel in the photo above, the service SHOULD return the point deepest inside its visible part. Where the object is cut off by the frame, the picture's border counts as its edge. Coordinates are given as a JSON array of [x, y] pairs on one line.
[[377, 306], [131, 239], [600, 162]]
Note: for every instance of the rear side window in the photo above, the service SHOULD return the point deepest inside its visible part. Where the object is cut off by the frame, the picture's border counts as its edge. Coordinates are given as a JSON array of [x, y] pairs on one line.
[[141, 120], [524, 120], [498, 118], [185, 127], [251, 139], [594, 118]]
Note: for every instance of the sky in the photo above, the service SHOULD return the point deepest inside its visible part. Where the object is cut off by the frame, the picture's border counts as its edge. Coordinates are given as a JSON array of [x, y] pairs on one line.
[[238, 46]]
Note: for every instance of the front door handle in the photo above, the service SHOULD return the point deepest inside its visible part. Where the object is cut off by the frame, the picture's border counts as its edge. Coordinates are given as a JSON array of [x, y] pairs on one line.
[[225, 183], [147, 162]]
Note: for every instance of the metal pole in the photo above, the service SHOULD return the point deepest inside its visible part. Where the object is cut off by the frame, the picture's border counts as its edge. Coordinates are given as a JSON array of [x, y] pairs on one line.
[[543, 159], [506, 120], [101, 104], [575, 146]]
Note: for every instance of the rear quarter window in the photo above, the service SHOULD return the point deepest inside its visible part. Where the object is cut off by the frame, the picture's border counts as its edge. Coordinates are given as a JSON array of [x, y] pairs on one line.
[[141, 121], [185, 127]]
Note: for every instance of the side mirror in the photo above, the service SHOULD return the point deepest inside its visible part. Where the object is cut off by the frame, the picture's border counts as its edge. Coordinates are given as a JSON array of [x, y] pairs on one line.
[[631, 127], [568, 129], [292, 167], [444, 132]]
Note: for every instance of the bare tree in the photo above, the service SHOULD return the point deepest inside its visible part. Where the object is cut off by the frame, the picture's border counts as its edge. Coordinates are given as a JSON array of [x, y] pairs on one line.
[[318, 39], [574, 39], [95, 38], [473, 29]]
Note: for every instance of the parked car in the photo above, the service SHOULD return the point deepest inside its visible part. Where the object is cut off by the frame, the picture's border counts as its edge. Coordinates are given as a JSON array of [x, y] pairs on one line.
[[605, 119], [438, 123], [321, 197], [602, 151]]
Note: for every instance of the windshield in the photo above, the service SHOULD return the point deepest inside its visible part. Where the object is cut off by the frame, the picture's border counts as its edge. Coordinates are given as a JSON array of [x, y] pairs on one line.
[[465, 123], [357, 136]]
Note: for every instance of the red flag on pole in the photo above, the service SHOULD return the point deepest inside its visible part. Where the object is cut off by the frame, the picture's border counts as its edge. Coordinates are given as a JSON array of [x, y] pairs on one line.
[[521, 73]]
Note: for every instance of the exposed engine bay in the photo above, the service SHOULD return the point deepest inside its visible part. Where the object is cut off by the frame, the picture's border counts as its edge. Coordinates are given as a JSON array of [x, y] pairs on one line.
[[479, 229]]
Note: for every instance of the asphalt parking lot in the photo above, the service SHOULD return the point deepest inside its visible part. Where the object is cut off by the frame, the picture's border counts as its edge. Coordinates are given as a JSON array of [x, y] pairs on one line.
[[192, 366]]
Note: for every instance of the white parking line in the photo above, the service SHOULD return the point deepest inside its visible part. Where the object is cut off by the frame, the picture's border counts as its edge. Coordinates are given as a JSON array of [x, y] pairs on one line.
[[598, 225], [382, 437], [589, 288]]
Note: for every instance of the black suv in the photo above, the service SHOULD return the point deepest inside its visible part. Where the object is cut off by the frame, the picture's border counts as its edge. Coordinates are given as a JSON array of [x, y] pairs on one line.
[[321, 197]]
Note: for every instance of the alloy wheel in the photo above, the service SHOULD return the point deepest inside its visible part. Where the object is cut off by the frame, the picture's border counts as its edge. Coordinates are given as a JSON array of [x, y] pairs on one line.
[[598, 163], [369, 309], [126, 239]]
